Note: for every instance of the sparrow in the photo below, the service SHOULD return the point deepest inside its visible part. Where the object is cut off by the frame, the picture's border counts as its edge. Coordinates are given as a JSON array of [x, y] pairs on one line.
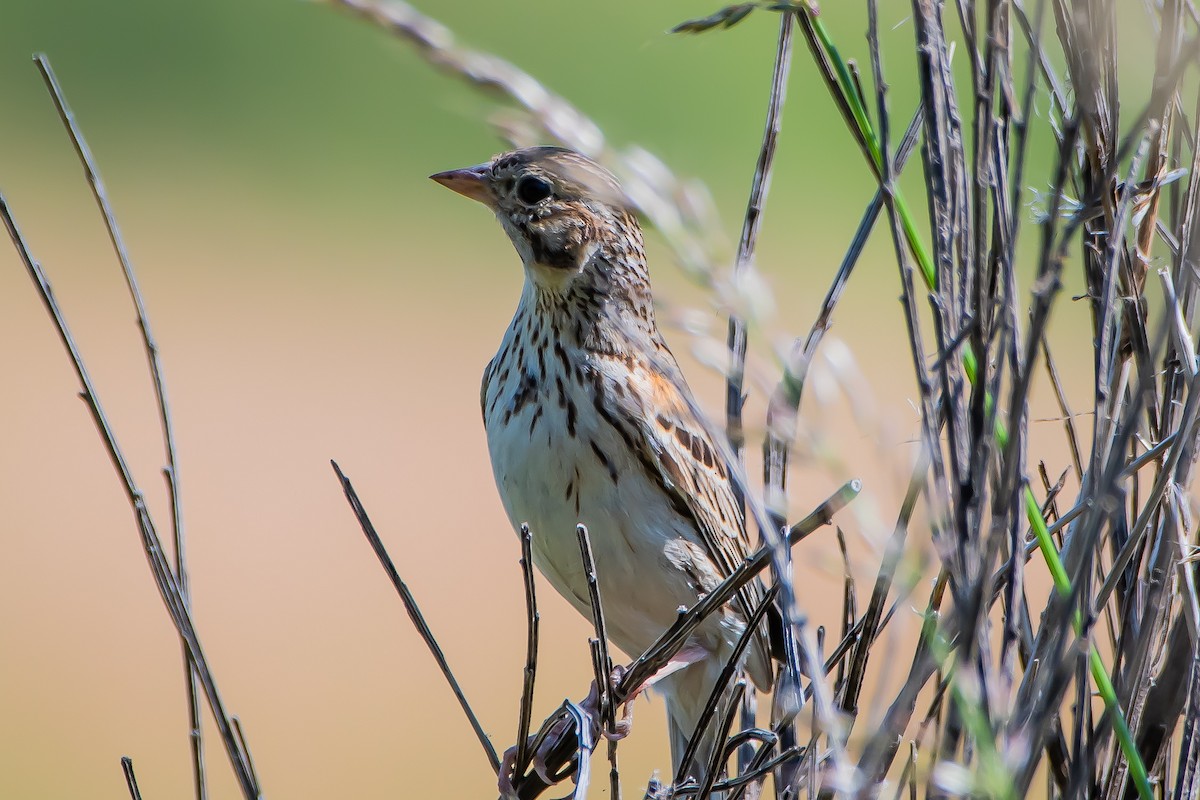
[[589, 421]]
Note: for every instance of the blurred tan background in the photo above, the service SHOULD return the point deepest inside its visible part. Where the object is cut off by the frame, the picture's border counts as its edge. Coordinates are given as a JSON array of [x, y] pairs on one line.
[[316, 297]]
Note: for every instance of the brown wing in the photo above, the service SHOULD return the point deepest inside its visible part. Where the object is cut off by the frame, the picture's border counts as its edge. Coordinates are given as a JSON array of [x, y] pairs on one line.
[[690, 468]]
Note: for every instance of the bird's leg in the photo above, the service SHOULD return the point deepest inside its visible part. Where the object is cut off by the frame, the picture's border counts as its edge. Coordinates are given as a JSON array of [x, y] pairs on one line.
[[689, 654]]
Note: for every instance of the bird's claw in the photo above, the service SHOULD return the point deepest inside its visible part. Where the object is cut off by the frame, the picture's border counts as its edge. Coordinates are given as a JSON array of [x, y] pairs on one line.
[[591, 704], [620, 728], [508, 764]]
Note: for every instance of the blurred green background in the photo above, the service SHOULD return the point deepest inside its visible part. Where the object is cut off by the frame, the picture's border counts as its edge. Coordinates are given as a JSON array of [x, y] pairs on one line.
[[315, 296]]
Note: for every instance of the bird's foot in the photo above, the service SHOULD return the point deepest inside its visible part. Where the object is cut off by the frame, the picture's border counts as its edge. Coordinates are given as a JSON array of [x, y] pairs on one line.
[[591, 705]]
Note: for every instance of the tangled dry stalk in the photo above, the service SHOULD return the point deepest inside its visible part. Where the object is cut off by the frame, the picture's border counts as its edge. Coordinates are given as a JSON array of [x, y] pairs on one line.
[[1008, 675]]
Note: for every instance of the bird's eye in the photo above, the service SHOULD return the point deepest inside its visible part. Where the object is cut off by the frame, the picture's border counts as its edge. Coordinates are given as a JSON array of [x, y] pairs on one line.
[[532, 190]]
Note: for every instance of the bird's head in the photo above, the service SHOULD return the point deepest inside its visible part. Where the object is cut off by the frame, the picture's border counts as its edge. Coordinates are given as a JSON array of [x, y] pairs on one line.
[[566, 215]]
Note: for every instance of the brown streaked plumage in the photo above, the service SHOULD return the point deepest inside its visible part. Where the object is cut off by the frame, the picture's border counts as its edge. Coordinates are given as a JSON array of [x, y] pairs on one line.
[[589, 421]]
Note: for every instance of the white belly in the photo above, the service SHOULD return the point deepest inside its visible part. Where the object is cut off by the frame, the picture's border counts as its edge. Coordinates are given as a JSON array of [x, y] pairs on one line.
[[554, 481]]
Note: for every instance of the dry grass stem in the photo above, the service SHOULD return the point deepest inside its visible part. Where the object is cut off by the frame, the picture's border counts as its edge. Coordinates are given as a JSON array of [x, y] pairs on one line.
[[171, 470]]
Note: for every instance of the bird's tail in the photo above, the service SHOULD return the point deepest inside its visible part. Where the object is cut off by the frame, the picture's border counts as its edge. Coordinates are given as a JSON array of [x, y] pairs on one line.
[[685, 695]]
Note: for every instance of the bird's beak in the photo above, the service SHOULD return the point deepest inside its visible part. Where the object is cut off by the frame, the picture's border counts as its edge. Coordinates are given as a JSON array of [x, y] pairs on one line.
[[470, 182]]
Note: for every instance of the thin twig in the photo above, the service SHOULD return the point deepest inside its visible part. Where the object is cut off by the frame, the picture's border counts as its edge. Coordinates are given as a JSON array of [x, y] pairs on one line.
[[601, 672], [532, 624], [130, 778], [603, 689], [602, 663], [759, 187], [240, 733], [883, 584], [414, 614], [1064, 407], [160, 393]]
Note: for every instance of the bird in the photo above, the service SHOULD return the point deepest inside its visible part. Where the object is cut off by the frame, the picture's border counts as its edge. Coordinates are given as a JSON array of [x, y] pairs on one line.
[[589, 421]]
